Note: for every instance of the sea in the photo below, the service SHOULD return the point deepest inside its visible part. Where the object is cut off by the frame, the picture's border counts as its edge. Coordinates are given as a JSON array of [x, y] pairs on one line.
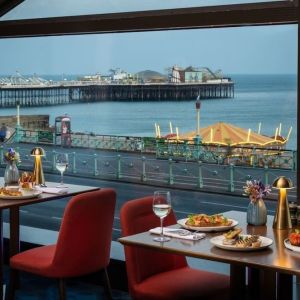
[[266, 99]]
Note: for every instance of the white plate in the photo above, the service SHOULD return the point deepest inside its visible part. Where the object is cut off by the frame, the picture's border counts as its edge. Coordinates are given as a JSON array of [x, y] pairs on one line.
[[288, 245], [26, 196], [207, 229], [218, 242]]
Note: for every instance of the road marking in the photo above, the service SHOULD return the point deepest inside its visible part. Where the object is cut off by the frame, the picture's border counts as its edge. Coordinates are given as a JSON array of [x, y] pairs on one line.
[[229, 205], [24, 211], [214, 203], [57, 218]]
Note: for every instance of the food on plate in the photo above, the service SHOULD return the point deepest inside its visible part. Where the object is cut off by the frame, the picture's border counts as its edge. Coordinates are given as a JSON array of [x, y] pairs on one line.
[[248, 241], [294, 238], [231, 234], [203, 220], [234, 238], [9, 192]]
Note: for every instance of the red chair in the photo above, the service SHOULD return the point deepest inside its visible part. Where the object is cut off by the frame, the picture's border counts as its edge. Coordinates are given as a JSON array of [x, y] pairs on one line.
[[83, 244], [154, 275]]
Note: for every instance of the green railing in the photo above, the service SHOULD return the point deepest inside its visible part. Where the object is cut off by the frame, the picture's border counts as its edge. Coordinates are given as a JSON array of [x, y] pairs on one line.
[[145, 168], [273, 157]]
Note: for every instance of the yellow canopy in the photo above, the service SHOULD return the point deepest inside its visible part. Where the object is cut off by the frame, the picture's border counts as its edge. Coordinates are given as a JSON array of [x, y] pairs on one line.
[[227, 134]]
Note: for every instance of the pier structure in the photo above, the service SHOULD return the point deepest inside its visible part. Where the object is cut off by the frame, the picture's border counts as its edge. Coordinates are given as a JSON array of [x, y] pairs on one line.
[[65, 92]]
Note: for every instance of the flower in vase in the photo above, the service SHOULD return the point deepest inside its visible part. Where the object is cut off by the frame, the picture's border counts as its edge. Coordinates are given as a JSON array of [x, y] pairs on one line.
[[256, 190], [12, 156]]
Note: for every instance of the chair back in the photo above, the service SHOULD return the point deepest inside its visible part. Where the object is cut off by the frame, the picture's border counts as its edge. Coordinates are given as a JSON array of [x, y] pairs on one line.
[[137, 216], [84, 240]]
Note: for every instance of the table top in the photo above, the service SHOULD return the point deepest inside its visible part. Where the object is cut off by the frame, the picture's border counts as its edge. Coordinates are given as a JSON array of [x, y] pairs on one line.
[[276, 257], [71, 191]]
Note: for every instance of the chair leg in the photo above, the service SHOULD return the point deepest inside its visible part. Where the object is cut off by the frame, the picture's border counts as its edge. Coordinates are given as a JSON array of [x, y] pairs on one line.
[[107, 287], [62, 289], [13, 283]]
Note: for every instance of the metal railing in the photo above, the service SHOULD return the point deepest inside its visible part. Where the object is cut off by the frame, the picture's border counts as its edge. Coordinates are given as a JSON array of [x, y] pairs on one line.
[[258, 157], [146, 168]]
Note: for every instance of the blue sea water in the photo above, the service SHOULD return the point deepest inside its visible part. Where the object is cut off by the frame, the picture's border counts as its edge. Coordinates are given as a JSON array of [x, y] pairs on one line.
[[269, 99]]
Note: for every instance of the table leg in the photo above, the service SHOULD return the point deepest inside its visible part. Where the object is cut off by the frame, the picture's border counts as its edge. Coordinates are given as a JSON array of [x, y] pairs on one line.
[[284, 286], [237, 282], [1, 255], [253, 282], [14, 225], [268, 285]]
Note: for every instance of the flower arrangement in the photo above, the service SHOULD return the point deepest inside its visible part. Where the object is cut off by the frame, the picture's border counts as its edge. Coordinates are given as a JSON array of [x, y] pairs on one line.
[[256, 190], [12, 156]]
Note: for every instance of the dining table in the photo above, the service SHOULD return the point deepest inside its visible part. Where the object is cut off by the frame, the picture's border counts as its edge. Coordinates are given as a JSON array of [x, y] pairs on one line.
[[13, 205], [263, 273]]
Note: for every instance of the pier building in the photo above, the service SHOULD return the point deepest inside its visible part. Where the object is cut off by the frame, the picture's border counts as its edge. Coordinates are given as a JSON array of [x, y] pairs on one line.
[[41, 92]]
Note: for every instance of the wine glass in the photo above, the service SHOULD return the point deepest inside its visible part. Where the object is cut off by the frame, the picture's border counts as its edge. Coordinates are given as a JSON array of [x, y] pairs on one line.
[[161, 207], [61, 164]]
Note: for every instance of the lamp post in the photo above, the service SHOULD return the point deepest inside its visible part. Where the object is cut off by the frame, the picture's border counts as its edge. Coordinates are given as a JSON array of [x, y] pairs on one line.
[[38, 173], [197, 138], [282, 219]]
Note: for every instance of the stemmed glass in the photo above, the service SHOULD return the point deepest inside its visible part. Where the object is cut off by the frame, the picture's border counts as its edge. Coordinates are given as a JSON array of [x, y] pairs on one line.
[[161, 207], [61, 164]]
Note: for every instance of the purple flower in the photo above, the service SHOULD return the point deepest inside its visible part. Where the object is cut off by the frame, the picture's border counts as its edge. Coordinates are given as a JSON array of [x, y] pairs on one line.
[[256, 190]]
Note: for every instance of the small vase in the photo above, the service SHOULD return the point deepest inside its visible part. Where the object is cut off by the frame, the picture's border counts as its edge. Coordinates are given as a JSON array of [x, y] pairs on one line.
[[257, 213], [11, 175]]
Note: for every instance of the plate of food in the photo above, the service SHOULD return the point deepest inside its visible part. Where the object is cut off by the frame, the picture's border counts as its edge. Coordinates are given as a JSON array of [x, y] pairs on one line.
[[17, 194], [234, 240], [293, 241], [207, 223]]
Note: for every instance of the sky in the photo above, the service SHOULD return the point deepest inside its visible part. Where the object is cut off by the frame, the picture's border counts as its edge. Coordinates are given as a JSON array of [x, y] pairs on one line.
[[244, 50]]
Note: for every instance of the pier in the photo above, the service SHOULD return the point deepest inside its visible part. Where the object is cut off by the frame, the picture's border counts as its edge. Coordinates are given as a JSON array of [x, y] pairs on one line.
[[67, 92]]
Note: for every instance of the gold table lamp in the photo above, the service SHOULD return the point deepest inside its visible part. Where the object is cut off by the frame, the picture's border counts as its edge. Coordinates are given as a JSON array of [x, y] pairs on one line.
[[38, 173], [282, 219]]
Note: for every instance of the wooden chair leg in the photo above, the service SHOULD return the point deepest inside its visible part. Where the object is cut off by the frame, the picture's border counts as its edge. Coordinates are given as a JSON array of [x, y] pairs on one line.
[[13, 283], [107, 287], [62, 289]]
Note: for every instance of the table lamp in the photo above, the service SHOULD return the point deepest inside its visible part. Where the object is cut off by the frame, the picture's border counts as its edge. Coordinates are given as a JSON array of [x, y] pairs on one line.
[[38, 173], [282, 219]]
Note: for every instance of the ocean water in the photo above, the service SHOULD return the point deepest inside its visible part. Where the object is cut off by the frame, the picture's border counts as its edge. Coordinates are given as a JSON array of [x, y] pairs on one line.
[[269, 99]]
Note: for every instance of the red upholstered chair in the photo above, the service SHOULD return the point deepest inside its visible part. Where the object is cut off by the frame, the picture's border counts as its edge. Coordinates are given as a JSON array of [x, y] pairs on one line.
[[83, 244], [154, 275]]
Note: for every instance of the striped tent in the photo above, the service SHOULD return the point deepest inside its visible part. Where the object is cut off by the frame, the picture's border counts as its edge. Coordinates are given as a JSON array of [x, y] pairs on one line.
[[227, 134]]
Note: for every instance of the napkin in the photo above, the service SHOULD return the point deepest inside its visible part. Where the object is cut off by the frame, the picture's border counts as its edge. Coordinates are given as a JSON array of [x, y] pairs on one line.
[[52, 190], [179, 233]]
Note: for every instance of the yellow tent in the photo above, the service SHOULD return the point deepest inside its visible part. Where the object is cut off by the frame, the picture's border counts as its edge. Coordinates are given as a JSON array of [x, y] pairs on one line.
[[227, 134]]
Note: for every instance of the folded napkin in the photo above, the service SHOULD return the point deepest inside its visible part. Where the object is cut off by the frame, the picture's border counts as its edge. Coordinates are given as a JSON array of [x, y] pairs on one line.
[[52, 190], [179, 233]]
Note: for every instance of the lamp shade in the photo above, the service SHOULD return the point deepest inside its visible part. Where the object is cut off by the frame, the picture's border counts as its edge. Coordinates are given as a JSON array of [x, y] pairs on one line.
[[282, 182], [37, 151]]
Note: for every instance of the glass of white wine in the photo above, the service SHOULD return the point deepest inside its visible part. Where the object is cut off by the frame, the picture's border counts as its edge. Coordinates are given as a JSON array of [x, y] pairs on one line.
[[161, 207], [61, 164]]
